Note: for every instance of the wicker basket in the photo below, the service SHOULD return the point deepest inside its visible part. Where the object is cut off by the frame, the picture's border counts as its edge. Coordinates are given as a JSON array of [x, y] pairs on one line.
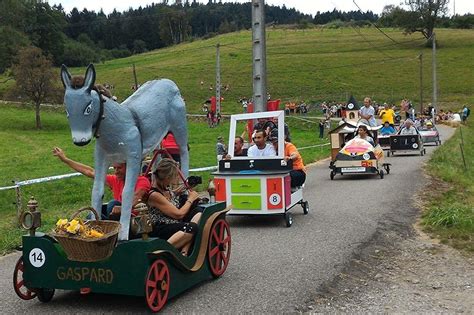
[[90, 249]]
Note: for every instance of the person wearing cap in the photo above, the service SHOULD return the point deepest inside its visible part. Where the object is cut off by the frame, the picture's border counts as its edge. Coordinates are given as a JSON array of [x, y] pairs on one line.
[[387, 114], [408, 128], [298, 173], [429, 125]]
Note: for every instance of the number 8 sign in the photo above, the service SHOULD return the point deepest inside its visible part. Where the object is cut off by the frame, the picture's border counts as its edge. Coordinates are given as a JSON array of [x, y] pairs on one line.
[[37, 257], [274, 199]]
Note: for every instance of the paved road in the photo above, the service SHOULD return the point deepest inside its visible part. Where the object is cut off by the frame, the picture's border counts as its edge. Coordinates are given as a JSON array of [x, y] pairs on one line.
[[273, 269]]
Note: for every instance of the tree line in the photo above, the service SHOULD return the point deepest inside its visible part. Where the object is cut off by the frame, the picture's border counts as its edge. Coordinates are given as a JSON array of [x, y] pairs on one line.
[[77, 38], [80, 37]]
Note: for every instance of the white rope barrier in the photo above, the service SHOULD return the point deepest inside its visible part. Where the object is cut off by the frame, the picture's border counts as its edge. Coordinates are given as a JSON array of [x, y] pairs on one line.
[[57, 177], [314, 146]]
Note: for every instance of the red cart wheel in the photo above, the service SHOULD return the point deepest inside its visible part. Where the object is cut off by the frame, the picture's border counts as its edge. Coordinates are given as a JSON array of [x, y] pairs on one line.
[[219, 247], [157, 285], [19, 285]]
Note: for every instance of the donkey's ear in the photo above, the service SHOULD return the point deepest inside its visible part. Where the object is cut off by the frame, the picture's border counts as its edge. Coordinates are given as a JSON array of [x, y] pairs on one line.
[[65, 77], [89, 80]]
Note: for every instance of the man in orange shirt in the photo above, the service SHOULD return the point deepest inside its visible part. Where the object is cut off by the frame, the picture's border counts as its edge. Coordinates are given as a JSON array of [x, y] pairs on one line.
[[298, 173], [115, 182]]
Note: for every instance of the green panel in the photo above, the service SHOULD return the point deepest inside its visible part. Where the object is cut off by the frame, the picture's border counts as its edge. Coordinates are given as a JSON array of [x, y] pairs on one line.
[[247, 202], [245, 185], [122, 273]]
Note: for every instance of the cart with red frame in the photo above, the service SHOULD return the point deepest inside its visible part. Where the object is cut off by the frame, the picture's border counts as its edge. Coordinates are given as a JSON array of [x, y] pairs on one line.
[[258, 185]]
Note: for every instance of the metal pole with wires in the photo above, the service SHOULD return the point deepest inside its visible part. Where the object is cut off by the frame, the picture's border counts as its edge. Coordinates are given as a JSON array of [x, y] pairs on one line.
[[218, 80], [421, 82], [435, 85], [259, 61]]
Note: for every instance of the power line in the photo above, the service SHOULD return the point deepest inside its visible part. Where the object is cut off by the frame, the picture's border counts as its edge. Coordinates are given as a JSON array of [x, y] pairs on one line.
[[374, 25]]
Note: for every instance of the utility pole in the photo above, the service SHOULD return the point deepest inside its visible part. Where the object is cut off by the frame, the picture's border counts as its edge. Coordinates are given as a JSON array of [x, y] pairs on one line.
[[218, 80], [435, 86], [421, 82], [259, 62]]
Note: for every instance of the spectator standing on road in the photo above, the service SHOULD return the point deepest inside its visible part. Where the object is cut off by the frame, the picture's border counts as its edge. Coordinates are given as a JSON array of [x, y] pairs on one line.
[[367, 112]]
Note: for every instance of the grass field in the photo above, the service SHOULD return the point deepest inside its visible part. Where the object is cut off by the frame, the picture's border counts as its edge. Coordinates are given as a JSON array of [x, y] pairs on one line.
[[27, 155], [450, 212], [312, 65]]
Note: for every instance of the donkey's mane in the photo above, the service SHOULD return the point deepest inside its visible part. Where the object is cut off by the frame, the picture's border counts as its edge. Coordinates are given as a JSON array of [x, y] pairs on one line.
[[77, 82]]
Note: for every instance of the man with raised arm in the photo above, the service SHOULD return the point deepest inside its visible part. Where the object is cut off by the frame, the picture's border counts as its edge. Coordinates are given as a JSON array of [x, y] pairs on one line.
[[115, 182]]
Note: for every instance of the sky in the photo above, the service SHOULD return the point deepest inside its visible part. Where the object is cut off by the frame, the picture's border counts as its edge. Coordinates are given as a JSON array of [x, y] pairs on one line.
[[305, 6]]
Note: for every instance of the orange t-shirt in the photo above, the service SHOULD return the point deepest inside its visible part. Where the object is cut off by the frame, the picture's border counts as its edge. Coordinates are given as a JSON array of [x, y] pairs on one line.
[[298, 161], [116, 185]]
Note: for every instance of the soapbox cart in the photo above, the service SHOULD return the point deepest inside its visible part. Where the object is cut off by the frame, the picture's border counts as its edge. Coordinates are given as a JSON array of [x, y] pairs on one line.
[[354, 156], [258, 185], [148, 267], [406, 144], [430, 135]]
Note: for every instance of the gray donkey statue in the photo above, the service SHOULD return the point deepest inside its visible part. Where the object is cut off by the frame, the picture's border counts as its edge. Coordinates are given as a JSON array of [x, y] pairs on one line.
[[125, 132]]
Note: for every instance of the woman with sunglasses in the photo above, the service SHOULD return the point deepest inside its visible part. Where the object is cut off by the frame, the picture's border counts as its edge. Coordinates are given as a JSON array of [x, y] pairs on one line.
[[171, 222]]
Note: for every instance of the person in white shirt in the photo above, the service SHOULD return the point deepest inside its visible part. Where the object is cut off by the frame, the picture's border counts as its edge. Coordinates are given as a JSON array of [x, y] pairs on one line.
[[408, 128], [367, 112], [261, 147]]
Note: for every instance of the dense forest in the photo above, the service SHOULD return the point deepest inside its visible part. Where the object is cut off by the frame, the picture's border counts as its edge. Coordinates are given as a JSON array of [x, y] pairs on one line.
[[79, 37]]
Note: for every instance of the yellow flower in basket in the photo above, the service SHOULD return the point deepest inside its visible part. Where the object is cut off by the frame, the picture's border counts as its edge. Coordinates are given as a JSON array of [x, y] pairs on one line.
[[61, 223], [94, 233], [74, 227]]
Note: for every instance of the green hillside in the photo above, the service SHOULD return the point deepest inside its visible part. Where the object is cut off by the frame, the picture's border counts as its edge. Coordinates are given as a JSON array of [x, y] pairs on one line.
[[311, 64]]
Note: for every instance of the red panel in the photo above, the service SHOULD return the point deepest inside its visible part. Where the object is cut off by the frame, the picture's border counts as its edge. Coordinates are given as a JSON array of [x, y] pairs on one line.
[[273, 105], [287, 191], [213, 104], [220, 189], [274, 193]]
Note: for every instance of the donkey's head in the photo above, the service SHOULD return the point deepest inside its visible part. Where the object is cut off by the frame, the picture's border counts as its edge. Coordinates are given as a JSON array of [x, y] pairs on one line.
[[82, 106]]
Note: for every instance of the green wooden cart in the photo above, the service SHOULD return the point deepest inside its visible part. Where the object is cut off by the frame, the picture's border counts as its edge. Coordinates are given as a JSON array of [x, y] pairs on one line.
[[151, 268]]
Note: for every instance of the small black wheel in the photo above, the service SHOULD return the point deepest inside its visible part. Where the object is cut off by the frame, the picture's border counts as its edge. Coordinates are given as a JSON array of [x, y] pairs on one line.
[[288, 219], [439, 141], [381, 173], [332, 175], [305, 207], [387, 168], [44, 295]]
